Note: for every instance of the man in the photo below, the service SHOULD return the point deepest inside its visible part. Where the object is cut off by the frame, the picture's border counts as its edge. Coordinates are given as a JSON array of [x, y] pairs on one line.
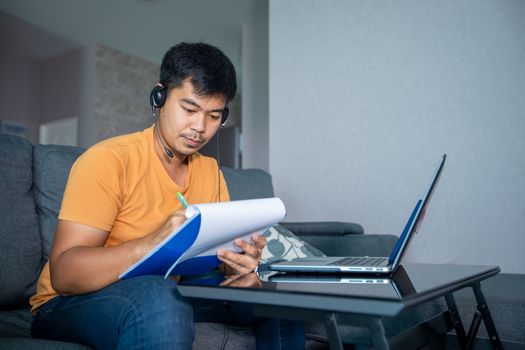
[[120, 202]]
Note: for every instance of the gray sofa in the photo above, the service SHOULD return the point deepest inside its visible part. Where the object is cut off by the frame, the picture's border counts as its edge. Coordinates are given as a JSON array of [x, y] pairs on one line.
[[32, 179]]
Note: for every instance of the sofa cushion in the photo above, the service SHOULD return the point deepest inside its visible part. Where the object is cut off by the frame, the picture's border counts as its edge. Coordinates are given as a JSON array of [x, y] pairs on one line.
[[353, 245], [16, 323], [20, 261], [51, 165], [221, 336], [38, 344], [248, 183]]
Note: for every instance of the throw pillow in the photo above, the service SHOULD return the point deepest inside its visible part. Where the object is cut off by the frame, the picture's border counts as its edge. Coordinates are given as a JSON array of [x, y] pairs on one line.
[[282, 244]]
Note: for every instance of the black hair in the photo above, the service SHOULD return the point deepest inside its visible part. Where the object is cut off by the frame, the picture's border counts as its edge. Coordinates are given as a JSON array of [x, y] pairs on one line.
[[207, 68]]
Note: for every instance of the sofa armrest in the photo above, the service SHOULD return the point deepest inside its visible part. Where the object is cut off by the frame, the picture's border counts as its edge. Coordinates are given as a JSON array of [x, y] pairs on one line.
[[353, 245], [332, 228]]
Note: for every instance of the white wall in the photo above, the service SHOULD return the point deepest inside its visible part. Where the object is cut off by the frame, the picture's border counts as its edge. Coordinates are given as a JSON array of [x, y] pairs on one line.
[[365, 96]]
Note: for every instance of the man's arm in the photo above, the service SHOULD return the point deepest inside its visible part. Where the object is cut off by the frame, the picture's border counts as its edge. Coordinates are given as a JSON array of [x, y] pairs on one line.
[[79, 262]]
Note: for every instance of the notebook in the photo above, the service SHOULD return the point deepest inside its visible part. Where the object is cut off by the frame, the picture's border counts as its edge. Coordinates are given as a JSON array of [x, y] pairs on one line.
[[360, 264]]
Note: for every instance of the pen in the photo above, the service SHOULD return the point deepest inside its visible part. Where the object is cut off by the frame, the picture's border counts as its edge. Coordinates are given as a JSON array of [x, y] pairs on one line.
[[182, 200]]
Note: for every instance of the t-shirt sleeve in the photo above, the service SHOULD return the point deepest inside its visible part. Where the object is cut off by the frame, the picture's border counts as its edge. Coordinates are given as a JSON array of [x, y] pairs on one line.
[[93, 192]]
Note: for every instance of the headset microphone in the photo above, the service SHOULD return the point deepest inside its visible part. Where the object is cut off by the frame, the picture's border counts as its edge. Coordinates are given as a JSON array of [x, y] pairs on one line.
[[169, 153]]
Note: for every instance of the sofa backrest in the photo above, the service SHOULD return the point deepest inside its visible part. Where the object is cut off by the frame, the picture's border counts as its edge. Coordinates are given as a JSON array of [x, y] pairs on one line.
[[51, 165], [248, 183], [20, 243]]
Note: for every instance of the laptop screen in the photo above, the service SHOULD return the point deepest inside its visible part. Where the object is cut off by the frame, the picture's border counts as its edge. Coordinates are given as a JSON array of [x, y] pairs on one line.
[[403, 236], [416, 218]]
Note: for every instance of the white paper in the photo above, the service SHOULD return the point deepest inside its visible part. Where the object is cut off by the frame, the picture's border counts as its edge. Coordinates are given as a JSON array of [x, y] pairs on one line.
[[226, 221]]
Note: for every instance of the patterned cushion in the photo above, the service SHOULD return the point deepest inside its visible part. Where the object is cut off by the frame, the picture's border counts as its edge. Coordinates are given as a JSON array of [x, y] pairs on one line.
[[284, 245]]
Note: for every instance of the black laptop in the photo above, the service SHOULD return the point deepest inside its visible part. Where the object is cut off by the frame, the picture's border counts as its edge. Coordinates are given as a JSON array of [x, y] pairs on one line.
[[365, 264]]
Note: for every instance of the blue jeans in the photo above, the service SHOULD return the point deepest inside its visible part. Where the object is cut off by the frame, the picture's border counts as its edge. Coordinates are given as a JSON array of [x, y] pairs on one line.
[[148, 313]]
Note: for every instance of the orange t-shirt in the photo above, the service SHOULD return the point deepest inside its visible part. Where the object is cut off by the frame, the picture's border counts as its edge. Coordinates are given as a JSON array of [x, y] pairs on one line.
[[120, 186]]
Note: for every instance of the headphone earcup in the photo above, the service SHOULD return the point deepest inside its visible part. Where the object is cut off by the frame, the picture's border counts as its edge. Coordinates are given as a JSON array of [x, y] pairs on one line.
[[225, 116], [157, 96]]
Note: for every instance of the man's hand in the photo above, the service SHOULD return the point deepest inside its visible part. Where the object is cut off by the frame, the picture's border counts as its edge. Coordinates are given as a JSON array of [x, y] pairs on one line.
[[175, 220], [245, 262]]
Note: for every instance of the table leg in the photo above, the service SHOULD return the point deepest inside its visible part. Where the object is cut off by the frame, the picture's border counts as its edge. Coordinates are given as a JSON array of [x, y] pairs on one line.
[[458, 324], [330, 324], [377, 330], [487, 318], [474, 327], [375, 325], [330, 320]]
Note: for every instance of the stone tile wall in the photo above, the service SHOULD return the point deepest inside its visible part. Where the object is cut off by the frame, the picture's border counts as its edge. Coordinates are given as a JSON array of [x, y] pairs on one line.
[[123, 83]]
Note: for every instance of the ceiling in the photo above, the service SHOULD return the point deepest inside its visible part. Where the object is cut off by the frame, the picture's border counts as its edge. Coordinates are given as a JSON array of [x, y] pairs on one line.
[[143, 28]]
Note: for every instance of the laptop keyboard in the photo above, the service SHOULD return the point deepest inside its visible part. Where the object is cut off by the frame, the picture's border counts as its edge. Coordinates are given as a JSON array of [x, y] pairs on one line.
[[354, 261]]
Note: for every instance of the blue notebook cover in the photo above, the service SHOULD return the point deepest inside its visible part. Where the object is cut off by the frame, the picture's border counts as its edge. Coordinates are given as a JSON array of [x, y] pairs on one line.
[[162, 258]]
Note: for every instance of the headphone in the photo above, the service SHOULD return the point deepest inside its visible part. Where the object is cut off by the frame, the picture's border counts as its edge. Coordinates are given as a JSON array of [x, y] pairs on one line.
[[157, 99]]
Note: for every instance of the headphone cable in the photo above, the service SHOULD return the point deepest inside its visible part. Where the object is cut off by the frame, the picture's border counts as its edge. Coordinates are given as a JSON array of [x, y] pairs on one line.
[[219, 164]]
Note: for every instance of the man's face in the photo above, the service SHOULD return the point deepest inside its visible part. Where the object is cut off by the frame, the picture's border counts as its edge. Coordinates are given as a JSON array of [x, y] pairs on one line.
[[189, 121]]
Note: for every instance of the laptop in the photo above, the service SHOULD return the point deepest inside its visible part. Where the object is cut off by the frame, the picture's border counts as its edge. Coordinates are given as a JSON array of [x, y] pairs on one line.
[[360, 264]]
